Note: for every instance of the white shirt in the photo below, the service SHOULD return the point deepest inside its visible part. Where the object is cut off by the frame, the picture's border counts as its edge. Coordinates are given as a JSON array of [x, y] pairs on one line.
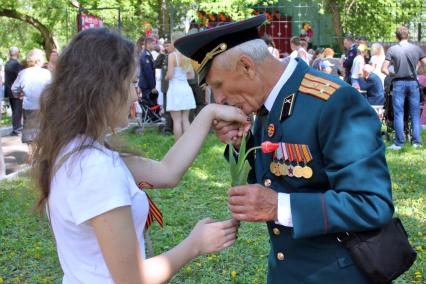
[[357, 66], [32, 82], [89, 183], [295, 53], [284, 208]]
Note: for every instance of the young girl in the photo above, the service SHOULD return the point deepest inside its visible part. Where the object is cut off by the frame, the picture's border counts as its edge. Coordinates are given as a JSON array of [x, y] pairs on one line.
[[96, 210]]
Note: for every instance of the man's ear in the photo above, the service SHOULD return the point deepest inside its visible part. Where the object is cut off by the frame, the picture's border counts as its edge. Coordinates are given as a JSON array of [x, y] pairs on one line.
[[246, 66]]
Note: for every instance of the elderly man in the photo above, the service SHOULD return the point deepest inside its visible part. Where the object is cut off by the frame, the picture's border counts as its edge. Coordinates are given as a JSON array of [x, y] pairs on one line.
[[372, 85], [11, 71], [329, 174]]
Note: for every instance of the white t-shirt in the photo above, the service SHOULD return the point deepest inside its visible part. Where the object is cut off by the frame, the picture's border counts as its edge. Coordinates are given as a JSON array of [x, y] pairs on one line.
[[357, 66], [32, 82], [295, 54], [89, 183]]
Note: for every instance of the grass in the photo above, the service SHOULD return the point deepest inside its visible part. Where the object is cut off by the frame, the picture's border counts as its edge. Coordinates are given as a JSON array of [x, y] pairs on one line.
[[5, 120], [28, 255]]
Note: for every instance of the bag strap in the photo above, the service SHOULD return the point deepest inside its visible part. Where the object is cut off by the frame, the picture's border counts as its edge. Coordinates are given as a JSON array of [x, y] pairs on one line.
[[177, 59]]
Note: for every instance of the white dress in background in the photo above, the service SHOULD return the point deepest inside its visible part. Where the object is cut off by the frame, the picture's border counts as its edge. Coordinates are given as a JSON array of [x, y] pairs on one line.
[[179, 94]]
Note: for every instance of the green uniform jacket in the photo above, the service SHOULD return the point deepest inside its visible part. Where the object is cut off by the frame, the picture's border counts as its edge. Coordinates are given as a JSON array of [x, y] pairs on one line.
[[350, 189]]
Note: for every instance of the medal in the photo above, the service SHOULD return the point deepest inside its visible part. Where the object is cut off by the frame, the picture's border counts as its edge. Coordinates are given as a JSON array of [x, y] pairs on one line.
[[277, 169], [307, 172], [283, 169], [272, 167], [298, 171], [290, 171], [307, 157], [271, 130]]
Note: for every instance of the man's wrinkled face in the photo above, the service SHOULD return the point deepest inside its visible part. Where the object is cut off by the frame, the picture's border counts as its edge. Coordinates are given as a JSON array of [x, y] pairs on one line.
[[239, 86]]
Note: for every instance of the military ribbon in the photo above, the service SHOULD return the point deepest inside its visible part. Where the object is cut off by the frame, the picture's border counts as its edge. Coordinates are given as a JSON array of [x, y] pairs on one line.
[[154, 212]]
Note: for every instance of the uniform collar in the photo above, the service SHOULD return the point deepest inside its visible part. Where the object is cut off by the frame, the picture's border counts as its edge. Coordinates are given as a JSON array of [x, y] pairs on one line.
[[270, 100]]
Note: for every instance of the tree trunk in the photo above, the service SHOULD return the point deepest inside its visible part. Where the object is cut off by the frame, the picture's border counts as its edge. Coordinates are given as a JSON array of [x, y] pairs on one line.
[[48, 41], [333, 8]]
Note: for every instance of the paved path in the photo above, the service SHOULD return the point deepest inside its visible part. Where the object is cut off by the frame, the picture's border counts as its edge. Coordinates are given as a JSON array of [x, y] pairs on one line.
[[15, 153]]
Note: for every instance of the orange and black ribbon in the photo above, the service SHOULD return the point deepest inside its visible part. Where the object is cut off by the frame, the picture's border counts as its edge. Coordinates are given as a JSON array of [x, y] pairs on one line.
[[154, 212]]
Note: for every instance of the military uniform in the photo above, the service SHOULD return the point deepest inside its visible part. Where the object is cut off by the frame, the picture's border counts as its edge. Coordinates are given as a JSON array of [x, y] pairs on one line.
[[348, 188], [147, 72], [349, 61], [330, 161]]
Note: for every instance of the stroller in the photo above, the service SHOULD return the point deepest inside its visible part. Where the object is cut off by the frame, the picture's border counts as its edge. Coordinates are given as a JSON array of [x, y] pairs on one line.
[[388, 117], [149, 112]]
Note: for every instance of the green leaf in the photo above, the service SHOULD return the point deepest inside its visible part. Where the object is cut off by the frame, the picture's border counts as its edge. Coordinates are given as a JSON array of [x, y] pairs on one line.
[[242, 153], [232, 165], [244, 173]]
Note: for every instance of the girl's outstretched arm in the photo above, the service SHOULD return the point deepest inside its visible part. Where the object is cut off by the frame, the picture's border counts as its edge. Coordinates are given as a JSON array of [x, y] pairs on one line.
[[168, 171]]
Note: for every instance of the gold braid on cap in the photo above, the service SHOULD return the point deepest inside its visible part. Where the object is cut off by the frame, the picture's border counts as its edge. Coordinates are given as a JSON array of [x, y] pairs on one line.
[[217, 50]]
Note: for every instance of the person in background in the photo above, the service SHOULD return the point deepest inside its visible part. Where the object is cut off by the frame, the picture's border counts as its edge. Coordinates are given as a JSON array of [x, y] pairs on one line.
[[96, 210], [11, 71], [377, 59], [422, 81], [326, 66], [316, 58], [372, 84], [271, 46], [29, 85], [147, 72], [1, 86], [53, 57], [155, 53], [350, 54], [309, 52], [358, 65], [162, 63], [363, 40], [298, 50], [180, 98], [328, 55], [2, 162], [405, 56]]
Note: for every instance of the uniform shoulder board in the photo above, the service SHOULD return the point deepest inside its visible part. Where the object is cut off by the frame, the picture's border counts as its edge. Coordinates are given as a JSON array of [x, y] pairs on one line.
[[318, 86]]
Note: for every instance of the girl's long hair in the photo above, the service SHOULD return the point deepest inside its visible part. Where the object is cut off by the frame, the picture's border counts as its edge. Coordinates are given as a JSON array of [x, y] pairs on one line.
[[91, 81]]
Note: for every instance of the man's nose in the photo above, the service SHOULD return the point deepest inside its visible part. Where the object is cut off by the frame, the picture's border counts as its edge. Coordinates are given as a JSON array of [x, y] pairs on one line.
[[219, 98]]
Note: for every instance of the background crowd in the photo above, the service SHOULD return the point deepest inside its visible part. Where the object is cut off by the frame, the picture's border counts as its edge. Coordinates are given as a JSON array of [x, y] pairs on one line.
[[170, 96]]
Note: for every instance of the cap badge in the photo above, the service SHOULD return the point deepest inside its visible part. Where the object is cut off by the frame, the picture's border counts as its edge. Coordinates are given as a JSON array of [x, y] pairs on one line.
[[215, 51]]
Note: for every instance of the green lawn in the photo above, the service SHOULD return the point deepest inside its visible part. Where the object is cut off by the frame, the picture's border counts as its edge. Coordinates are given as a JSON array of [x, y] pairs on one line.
[[5, 120], [27, 251]]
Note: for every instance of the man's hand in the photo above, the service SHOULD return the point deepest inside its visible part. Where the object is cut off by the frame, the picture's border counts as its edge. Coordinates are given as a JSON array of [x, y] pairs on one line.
[[230, 132], [253, 203]]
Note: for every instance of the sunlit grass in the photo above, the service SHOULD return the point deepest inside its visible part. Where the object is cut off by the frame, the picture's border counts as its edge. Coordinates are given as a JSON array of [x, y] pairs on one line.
[[28, 255]]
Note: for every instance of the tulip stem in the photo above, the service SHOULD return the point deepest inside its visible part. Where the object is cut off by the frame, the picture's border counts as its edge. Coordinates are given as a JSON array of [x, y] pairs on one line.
[[251, 149]]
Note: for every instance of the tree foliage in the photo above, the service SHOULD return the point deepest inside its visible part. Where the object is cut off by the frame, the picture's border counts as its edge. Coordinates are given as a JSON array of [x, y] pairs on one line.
[[377, 19]]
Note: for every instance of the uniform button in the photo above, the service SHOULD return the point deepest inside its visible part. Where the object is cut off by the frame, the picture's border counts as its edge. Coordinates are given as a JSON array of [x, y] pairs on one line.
[[276, 231], [280, 256], [267, 182]]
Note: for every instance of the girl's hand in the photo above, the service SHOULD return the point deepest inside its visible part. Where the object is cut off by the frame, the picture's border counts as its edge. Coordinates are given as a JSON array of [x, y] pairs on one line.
[[227, 113], [210, 236]]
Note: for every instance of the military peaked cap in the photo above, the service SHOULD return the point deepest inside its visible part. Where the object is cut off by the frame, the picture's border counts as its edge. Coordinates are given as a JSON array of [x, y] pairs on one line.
[[202, 47]]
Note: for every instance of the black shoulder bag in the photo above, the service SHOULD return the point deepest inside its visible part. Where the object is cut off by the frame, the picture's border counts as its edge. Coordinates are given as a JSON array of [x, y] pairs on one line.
[[382, 254]]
